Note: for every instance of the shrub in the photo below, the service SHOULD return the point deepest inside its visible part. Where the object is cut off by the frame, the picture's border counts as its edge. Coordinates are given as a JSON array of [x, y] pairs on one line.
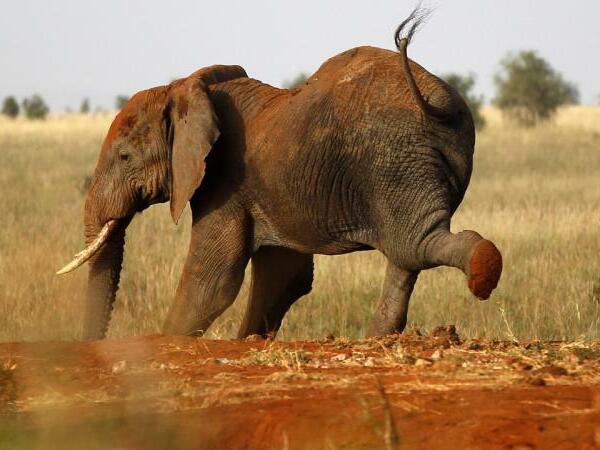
[[120, 101], [85, 184], [35, 107], [529, 90], [296, 81], [464, 84], [10, 107], [85, 106]]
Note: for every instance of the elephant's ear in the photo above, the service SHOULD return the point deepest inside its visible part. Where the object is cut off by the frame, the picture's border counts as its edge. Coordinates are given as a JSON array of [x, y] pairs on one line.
[[193, 131]]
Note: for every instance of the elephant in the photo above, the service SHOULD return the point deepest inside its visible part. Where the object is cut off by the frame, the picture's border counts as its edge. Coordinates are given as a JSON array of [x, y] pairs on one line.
[[372, 152]]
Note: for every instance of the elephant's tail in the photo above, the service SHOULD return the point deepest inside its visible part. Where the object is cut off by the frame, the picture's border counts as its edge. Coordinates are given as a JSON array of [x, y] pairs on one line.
[[417, 17]]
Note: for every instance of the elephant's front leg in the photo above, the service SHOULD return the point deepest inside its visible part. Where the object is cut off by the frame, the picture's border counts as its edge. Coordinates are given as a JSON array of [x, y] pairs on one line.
[[213, 272], [392, 310]]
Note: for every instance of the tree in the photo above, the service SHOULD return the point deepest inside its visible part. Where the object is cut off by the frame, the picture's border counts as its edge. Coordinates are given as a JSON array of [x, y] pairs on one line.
[[85, 106], [10, 107], [296, 81], [120, 101], [464, 84], [529, 90], [35, 107]]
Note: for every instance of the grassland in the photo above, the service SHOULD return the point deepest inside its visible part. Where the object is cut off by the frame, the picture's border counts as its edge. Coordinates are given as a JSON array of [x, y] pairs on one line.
[[535, 192]]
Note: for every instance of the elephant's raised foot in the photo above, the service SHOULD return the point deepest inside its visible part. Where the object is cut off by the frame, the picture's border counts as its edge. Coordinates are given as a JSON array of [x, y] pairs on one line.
[[485, 268]]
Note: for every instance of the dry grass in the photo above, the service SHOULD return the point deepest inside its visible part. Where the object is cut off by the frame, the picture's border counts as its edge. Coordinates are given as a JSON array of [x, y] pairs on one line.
[[534, 192]]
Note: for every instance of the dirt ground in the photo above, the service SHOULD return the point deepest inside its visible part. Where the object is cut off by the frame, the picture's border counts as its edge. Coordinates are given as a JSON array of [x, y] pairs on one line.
[[399, 392]]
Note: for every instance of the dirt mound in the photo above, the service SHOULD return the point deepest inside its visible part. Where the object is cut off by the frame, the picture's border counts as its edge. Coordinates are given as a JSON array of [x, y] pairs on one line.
[[406, 391]]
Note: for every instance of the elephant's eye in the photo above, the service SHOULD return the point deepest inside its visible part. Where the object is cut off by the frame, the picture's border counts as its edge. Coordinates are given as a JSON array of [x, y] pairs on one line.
[[124, 156]]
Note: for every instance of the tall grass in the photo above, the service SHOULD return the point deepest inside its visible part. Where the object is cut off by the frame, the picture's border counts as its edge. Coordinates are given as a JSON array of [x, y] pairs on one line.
[[535, 192]]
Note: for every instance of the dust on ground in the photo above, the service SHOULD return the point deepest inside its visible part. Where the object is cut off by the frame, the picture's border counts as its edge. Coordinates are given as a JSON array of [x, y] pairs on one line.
[[402, 391]]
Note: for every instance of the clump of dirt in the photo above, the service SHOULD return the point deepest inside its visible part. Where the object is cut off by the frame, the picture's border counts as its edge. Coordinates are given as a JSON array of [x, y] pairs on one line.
[[411, 390]]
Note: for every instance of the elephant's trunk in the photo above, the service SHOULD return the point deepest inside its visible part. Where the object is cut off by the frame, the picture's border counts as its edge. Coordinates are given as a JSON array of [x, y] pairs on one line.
[[103, 278]]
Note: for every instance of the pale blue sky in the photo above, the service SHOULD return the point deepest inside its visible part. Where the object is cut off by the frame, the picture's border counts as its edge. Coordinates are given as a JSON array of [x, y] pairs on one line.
[[68, 49]]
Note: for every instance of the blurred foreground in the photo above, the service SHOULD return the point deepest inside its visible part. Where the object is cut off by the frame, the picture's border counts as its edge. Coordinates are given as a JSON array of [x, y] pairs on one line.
[[407, 391]]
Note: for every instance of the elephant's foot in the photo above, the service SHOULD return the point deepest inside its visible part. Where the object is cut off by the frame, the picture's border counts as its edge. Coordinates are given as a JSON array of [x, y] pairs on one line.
[[485, 267]]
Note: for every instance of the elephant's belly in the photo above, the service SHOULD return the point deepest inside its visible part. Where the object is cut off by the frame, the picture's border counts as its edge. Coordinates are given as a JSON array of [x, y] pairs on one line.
[[304, 237]]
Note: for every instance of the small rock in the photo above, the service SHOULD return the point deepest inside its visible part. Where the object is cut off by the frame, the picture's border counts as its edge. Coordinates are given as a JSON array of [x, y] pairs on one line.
[[339, 357], [423, 362], [119, 367], [437, 355], [536, 381], [223, 361], [370, 362], [164, 366], [10, 365]]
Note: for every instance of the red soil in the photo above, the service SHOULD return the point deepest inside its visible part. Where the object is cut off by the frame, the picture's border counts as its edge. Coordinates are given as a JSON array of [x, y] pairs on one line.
[[404, 392]]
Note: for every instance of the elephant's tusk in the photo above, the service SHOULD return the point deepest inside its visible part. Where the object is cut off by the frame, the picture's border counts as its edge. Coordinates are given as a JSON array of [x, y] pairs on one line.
[[91, 249]]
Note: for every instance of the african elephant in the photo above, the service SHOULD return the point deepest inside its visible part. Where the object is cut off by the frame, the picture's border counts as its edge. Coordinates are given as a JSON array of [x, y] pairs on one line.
[[371, 152]]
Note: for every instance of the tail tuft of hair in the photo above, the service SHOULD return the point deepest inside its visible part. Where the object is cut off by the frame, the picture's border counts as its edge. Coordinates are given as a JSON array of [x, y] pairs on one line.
[[416, 18]]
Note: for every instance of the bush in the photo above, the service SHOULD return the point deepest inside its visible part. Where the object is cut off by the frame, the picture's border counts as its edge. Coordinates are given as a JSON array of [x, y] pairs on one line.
[[529, 90], [35, 107], [296, 81], [464, 84], [10, 107], [120, 101], [85, 184], [85, 106]]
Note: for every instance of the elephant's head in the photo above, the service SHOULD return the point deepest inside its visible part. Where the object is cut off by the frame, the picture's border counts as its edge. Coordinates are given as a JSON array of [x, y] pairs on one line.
[[153, 152]]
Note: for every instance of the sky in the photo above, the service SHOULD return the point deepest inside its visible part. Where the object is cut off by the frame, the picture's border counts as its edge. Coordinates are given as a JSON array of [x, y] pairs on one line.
[[66, 50]]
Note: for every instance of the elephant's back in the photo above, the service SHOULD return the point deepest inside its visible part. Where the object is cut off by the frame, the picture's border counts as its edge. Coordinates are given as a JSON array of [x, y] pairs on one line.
[[371, 76], [353, 63]]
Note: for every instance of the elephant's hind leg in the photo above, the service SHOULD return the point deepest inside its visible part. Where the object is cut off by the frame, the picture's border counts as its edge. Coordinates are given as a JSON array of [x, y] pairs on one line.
[[280, 276], [392, 310], [477, 257], [213, 272]]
